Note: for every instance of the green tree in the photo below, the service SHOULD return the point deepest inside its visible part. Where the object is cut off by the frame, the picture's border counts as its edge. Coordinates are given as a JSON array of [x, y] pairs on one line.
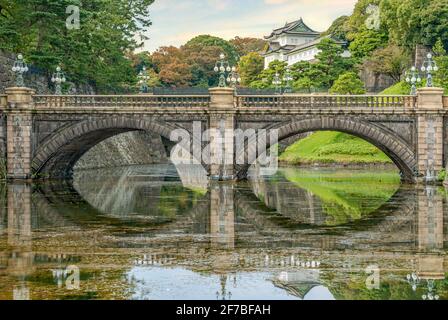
[[245, 46], [391, 61], [348, 83], [441, 58], [330, 63], [207, 41], [96, 53], [202, 60], [266, 77], [357, 20], [250, 66], [338, 28], [412, 22], [304, 84], [201, 53], [366, 41]]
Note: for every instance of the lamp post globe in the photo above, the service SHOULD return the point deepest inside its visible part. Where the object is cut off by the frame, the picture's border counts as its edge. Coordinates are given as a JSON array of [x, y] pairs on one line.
[[429, 66], [224, 69], [413, 78], [58, 78], [19, 68], [143, 79]]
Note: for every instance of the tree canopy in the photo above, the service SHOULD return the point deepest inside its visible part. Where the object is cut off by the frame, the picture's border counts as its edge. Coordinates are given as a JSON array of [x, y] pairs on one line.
[[250, 66], [348, 83], [96, 53]]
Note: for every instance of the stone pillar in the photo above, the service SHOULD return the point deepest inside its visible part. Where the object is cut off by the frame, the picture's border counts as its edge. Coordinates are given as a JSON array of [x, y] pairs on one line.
[[221, 128], [19, 128], [430, 132]]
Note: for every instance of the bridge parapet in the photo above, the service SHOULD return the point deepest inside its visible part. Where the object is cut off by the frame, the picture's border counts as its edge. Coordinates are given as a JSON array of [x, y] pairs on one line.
[[123, 101], [3, 100], [326, 101]]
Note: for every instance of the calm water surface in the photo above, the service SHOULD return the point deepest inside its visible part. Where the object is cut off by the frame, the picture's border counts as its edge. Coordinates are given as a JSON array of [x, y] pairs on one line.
[[161, 232]]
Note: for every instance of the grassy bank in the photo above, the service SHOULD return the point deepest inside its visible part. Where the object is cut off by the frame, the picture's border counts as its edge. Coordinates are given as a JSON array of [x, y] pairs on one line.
[[333, 147]]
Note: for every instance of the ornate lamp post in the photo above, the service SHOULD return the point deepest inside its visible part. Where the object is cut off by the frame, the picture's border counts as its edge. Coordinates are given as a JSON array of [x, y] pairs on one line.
[[431, 293], [277, 82], [429, 65], [288, 81], [233, 78], [58, 78], [143, 78], [413, 78], [223, 68], [20, 67], [414, 280]]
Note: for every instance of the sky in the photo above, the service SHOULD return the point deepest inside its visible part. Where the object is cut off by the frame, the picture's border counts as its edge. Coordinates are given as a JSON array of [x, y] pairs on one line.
[[177, 21]]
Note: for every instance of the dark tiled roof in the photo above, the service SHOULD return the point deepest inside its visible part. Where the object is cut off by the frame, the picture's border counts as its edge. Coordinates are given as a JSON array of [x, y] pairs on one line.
[[296, 27], [280, 48]]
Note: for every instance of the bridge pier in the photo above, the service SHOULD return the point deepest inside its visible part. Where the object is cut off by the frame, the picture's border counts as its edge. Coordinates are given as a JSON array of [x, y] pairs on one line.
[[19, 124], [221, 128], [430, 133]]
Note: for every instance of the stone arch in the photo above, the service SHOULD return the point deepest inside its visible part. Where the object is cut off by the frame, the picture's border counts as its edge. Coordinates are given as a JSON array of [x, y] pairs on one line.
[[400, 152], [57, 156]]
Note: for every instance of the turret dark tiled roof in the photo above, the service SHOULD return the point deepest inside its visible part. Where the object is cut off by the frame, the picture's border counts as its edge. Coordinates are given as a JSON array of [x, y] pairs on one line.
[[296, 27]]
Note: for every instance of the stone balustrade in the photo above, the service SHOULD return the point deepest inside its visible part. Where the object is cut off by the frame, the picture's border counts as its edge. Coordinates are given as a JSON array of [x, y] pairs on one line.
[[121, 101], [326, 101], [3, 100], [241, 101]]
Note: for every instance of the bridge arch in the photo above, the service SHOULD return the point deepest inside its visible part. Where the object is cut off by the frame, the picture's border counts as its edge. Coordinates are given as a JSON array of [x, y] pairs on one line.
[[399, 151], [57, 156]]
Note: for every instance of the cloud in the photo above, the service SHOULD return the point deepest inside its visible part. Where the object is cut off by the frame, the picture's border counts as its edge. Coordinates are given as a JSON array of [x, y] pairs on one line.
[[275, 1]]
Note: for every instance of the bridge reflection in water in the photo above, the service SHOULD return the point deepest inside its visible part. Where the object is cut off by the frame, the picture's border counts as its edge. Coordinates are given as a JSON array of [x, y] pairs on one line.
[[155, 232]]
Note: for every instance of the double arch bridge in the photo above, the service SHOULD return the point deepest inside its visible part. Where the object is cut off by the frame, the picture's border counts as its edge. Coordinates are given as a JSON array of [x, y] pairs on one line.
[[44, 136]]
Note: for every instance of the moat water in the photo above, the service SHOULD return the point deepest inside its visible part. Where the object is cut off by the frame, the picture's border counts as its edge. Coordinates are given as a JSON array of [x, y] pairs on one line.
[[161, 232]]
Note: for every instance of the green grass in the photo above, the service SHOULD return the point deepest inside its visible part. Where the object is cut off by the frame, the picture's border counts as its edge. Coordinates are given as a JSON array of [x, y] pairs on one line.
[[333, 147], [403, 88], [398, 88]]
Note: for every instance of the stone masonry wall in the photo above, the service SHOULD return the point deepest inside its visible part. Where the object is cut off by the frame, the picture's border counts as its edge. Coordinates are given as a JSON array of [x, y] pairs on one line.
[[430, 144], [132, 148], [19, 127]]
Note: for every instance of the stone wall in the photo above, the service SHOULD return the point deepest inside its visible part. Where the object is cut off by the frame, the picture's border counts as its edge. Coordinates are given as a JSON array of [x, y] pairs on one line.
[[6, 77], [132, 148], [284, 144], [375, 83], [36, 78]]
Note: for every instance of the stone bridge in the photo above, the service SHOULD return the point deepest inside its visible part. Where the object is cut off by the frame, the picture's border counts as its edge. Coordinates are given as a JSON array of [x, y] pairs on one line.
[[44, 136]]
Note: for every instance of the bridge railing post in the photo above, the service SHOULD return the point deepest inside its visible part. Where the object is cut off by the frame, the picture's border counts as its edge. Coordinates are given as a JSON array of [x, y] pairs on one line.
[[222, 125], [19, 132], [430, 144]]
